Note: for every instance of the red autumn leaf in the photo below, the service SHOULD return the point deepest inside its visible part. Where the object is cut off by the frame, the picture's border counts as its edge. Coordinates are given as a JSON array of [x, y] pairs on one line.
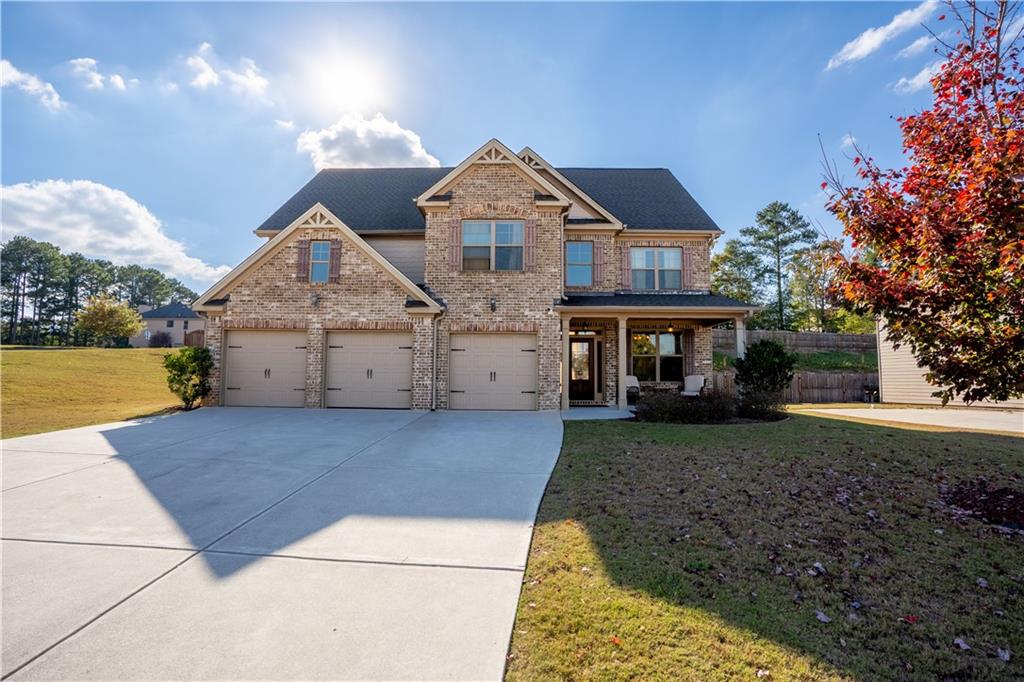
[[615, 640], [910, 619]]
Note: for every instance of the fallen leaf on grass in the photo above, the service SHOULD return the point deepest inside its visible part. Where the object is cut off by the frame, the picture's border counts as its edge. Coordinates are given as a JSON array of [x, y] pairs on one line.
[[1004, 655], [822, 617], [615, 640], [961, 644], [910, 619], [761, 672]]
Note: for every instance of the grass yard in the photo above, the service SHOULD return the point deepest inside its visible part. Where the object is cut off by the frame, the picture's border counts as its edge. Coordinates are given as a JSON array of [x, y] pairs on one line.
[[805, 549], [50, 389], [822, 361]]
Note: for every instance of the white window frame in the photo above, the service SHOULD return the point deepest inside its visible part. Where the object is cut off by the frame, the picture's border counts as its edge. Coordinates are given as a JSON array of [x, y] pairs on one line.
[[569, 263], [492, 262], [657, 270], [658, 355], [313, 261]]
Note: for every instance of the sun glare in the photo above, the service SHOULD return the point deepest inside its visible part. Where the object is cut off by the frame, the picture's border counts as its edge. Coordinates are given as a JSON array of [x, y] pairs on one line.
[[337, 82]]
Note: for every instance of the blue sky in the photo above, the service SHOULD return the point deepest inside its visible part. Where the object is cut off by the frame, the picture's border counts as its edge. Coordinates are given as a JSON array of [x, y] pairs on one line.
[[163, 134]]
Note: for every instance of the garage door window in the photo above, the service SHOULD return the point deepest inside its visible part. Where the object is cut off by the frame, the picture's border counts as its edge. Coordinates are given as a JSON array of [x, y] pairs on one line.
[[492, 245]]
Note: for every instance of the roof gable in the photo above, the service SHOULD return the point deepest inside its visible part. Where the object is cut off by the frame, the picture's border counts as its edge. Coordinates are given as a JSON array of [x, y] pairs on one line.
[[320, 217]]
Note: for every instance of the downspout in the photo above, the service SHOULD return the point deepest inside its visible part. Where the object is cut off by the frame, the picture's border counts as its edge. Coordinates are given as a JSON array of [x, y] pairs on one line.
[[433, 365]]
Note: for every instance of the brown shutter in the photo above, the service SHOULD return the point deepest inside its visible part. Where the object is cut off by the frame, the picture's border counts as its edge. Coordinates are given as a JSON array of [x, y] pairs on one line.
[[687, 269], [689, 366], [455, 245], [530, 246], [334, 272], [302, 262], [627, 273], [598, 263]]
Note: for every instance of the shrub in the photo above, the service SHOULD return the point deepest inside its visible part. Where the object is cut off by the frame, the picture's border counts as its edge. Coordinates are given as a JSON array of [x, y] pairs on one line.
[[188, 374], [672, 408], [761, 376], [160, 340]]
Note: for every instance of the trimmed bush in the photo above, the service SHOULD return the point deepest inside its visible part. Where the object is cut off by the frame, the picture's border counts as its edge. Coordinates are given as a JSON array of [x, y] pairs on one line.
[[188, 374], [761, 377], [160, 340], [670, 407]]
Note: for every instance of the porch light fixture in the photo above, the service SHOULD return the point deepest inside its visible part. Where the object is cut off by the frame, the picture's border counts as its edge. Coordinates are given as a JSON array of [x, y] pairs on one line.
[[314, 299], [494, 304]]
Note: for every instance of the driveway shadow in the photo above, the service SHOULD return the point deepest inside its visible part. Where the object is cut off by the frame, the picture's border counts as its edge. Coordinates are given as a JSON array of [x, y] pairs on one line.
[[388, 486], [768, 526]]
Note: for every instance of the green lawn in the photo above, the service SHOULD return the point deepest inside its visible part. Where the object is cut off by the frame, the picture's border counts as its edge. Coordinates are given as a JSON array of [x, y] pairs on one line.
[[54, 388], [821, 361], [690, 552]]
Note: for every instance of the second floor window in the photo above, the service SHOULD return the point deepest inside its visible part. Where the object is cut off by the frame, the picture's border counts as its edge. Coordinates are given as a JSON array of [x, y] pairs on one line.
[[492, 245], [579, 264], [170, 323], [319, 261], [656, 268]]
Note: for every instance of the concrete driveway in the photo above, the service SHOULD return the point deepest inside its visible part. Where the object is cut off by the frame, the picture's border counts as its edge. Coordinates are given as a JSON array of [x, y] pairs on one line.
[[271, 543], [979, 419]]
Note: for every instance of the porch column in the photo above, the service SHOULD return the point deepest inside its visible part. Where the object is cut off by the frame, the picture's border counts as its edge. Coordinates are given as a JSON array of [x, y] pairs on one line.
[[741, 336], [565, 362], [623, 403]]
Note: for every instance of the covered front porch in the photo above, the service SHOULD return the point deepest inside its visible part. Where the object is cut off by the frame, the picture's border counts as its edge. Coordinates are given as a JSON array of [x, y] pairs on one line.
[[604, 347]]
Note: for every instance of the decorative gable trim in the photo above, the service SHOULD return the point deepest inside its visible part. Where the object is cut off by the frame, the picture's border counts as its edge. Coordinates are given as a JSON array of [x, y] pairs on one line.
[[534, 161], [494, 152], [316, 217]]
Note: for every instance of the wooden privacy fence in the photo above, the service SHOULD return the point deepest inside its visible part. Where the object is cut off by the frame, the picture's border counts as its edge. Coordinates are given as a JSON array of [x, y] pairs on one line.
[[813, 387], [724, 341], [196, 338]]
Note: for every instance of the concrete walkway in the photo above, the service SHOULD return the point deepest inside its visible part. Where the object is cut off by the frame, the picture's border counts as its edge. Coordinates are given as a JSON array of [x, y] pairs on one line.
[[271, 544], [1009, 421]]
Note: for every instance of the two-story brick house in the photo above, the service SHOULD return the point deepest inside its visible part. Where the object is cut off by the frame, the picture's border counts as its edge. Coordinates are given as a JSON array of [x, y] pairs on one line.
[[502, 283]]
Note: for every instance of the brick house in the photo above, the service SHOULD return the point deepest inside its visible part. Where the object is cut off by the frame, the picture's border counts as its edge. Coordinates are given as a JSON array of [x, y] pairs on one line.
[[502, 283]]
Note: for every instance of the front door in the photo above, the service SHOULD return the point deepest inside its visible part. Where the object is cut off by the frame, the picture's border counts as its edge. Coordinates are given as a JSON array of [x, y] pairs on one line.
[[581, 369]]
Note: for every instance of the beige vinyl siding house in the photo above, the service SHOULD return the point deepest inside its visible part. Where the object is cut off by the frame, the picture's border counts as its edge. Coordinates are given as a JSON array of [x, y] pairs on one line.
[[177, 319], [900, 380]]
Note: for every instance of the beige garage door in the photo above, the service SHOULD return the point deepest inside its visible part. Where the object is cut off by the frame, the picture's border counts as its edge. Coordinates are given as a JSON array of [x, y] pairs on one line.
[[493, 372], [265, 369], [369, 369]]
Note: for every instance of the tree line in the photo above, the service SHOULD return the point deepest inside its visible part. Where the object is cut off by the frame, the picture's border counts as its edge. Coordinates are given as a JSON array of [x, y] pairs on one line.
[[781, 263], [42, 290]]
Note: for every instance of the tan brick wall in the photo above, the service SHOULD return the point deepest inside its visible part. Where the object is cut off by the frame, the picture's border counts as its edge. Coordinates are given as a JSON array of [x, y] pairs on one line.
[[272, 296], [523, 300]]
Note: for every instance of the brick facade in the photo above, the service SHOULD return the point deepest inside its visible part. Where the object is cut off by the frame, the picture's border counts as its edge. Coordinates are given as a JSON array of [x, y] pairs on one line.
[[272, 296], [522, 300]]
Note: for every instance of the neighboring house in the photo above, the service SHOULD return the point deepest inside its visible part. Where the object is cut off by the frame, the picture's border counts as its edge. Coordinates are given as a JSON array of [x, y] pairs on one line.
[[502, 283], [177, 319], [901, 380]]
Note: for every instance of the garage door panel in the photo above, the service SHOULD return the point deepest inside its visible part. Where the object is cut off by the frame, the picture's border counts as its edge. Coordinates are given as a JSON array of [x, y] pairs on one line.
[[369, 369], [493, 372], [265, 369]]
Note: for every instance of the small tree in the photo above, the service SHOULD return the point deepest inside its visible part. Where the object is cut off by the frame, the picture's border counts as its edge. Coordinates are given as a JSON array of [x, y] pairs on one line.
[[761, 376], [188, 374], [106, 320], [160, 340]]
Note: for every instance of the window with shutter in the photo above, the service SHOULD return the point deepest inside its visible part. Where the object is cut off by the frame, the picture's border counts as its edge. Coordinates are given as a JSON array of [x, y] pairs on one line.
[[319, 262], [496, 245]]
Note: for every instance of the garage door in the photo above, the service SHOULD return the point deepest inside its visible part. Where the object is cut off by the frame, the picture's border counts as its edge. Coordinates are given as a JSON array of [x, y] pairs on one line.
[[265, 369], [369, 369], [493, 372]]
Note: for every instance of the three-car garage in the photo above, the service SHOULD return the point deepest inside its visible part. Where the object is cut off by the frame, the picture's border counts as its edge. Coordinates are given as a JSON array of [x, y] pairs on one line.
[[374, 369]]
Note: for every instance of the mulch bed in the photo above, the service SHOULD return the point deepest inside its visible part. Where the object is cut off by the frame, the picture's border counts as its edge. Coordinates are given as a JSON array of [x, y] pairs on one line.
[[998, 506]]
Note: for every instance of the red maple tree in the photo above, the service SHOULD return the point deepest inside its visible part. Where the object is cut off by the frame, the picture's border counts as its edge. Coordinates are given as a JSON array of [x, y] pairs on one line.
[[939, 243]]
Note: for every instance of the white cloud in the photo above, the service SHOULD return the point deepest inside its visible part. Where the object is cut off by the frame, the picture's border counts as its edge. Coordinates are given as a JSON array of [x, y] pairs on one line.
[[356, 142], [45, 92], [99, 222], [284, 125], [920, 80], [205, 76], [249, 82], [916, 47], [872, 39], [848, 141], [85, 68]]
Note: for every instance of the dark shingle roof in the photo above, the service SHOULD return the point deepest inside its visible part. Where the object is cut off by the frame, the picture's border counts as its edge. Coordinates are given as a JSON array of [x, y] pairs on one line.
[[642, 198], [673, 300], [382, 199], [176, 310]]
